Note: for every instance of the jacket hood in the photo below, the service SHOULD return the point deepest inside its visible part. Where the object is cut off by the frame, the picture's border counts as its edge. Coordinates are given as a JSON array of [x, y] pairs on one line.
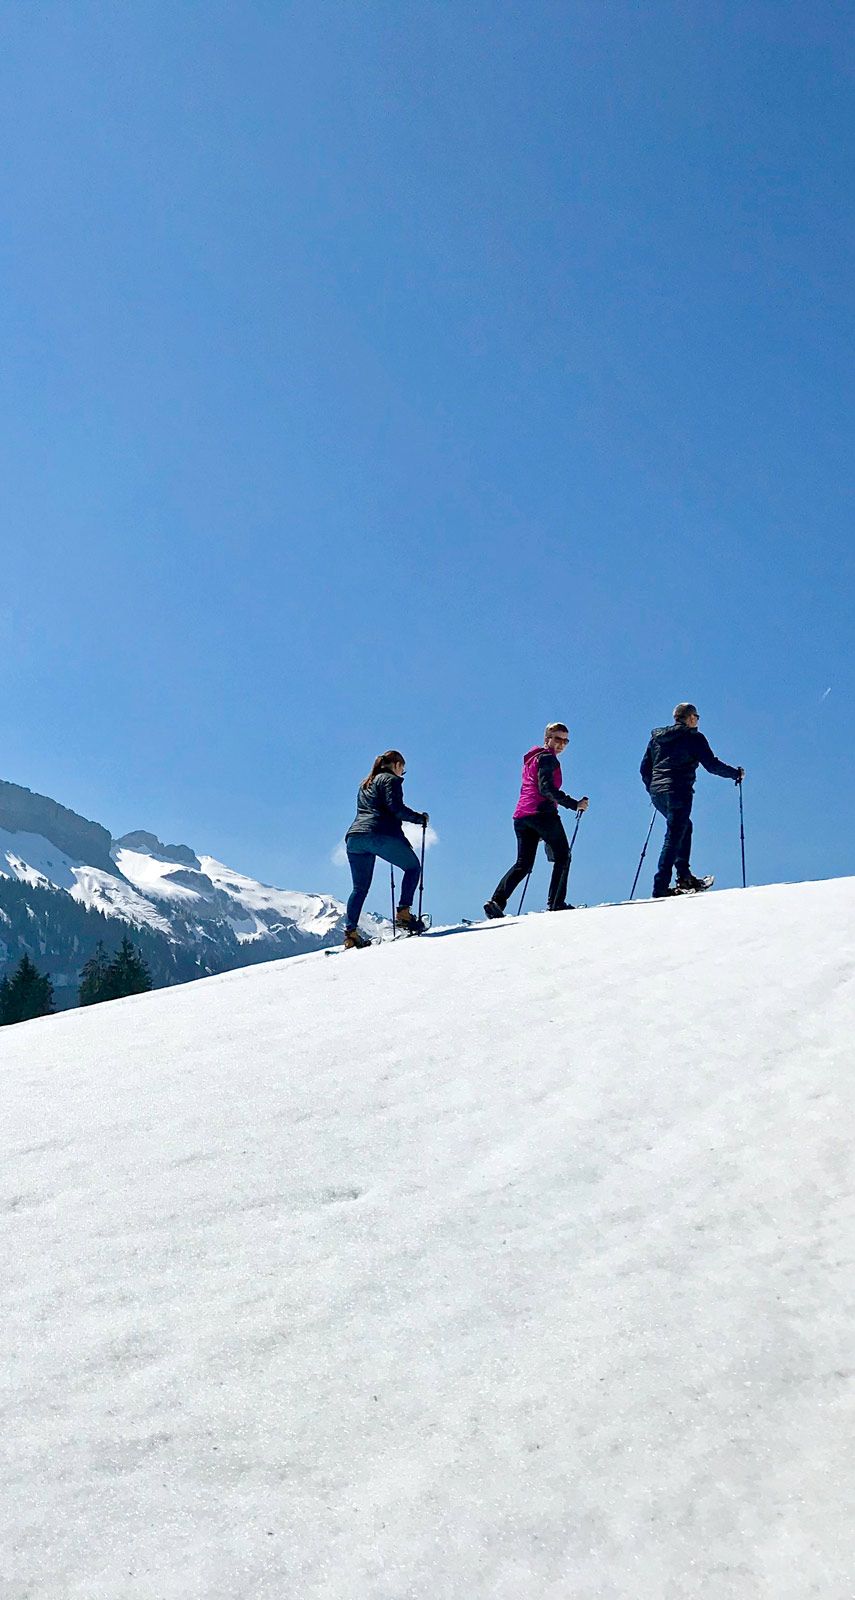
[[534, 751]]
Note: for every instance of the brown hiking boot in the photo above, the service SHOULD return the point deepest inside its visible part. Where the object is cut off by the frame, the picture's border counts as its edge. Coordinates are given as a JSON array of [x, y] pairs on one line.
[[408, 923], [355, 940]]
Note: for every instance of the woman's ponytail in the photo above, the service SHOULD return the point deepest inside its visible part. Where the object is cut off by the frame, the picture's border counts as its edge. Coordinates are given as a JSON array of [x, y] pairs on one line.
[[384, 763]]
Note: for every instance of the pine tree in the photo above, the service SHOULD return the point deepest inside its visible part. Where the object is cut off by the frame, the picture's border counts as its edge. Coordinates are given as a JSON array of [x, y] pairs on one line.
[[128, 973], [93, 977], [28, 993]]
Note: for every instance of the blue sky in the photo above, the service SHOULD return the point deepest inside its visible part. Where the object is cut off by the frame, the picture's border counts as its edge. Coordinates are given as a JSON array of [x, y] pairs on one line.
[[410, 374]]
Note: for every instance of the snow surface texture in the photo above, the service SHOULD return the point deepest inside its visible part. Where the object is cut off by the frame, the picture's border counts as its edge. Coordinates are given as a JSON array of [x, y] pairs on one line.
[[514, 1264]]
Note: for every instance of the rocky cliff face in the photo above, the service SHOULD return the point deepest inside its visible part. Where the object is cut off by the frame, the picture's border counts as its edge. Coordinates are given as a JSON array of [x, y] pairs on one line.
[[149, 842], [22, 811]]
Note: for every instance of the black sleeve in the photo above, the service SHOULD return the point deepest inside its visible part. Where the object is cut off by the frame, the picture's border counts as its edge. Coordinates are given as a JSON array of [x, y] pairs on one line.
[[646, 768], [712, 763], [393, 799], [546, 764]]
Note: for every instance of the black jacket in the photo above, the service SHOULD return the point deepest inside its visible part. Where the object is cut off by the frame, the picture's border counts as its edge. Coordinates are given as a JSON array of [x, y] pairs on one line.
[[672, 758], [380, 807]]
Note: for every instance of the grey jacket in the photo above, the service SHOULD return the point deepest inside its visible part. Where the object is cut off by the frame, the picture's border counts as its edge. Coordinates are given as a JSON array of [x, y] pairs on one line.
[[380, 807]]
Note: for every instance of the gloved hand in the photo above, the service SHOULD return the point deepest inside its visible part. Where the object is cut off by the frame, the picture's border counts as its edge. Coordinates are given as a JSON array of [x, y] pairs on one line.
[[425, 819], [583, 804], [741, 771]]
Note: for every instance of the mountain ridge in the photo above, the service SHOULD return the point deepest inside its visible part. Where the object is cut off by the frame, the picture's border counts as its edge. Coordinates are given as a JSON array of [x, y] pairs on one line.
[[25, 811], [66, 882]]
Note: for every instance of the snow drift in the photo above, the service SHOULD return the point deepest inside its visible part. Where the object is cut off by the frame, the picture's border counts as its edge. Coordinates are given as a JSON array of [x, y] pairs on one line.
[[512, 1264]]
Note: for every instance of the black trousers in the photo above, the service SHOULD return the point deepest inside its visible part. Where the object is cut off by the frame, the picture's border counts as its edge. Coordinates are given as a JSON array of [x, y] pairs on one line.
[[547, 826], [677, 845]]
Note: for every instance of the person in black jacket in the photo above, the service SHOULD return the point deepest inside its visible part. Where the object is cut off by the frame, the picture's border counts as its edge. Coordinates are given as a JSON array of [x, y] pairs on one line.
[[668, 770], [376, 831]]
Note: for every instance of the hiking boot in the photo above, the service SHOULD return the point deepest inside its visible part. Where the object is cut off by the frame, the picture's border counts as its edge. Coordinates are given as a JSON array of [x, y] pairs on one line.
[[355, 939], [493, 909], [562, 905], [691, 882], [407, 922]]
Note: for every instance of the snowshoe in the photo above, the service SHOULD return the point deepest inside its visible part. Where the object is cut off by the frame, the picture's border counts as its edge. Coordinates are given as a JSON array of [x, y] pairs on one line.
[[692, 885], [407, 922], [563, 905], [493, 909]]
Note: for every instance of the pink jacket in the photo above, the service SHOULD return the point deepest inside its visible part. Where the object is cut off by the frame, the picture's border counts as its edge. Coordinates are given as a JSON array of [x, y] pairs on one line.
[[533, 797]]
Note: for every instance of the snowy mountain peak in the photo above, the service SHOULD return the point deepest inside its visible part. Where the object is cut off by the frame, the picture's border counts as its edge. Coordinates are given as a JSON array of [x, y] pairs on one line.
[[197, 915], [151, 845], [22, 811]]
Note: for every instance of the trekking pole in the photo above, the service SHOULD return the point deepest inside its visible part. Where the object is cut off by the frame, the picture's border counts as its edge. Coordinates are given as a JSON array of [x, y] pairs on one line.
[[741, 831], [579, 816], [392, 881], [522, 896], [422, 871], [643, 854]]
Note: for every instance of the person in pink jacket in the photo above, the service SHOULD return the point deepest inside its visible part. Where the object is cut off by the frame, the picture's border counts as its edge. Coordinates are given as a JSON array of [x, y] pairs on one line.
[[536, 817]]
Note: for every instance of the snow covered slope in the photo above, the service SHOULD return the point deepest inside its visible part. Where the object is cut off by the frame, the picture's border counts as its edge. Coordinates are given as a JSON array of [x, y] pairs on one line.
[[512, 1264]]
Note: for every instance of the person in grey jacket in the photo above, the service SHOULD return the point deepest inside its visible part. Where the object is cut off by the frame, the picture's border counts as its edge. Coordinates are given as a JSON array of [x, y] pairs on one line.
[[376, 831], [668, 770]]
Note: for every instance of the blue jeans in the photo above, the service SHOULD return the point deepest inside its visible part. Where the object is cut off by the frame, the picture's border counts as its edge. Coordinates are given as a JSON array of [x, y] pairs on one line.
[[362, 852], [677, 811]]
